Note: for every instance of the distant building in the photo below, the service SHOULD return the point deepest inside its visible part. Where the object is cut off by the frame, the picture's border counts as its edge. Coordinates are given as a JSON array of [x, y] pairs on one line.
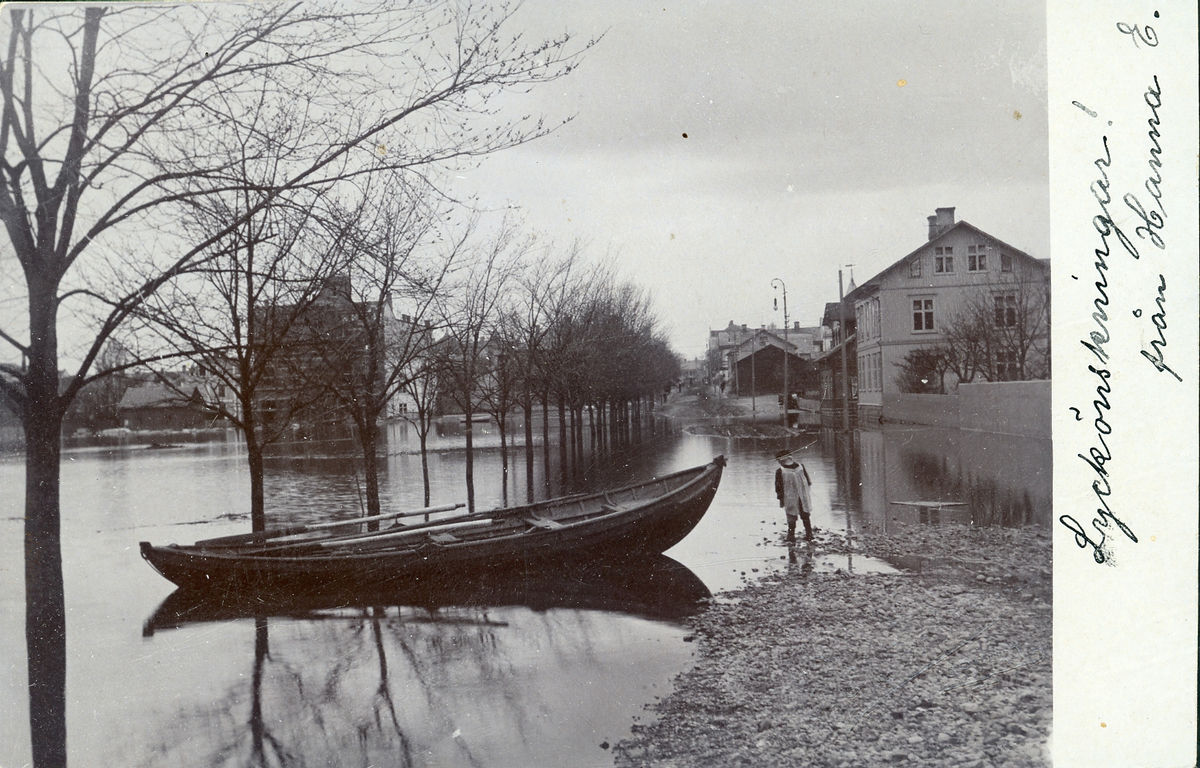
[[328, 338], [177, 405], [838, 391], [692, 372], [756, 364], [976, 308], [721, 343]]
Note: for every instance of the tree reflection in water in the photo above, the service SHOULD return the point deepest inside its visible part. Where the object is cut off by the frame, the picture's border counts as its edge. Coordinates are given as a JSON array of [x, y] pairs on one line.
[[413, 686]]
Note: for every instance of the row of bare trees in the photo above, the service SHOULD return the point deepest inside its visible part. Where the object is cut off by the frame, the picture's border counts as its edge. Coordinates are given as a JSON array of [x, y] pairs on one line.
[[151, 151], [538, 330]]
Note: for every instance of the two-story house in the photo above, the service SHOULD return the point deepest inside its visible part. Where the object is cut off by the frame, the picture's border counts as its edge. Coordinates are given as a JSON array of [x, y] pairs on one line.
[[964, 306]]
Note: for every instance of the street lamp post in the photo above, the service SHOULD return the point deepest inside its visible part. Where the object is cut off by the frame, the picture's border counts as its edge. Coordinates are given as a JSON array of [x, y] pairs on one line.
[[785, 346]]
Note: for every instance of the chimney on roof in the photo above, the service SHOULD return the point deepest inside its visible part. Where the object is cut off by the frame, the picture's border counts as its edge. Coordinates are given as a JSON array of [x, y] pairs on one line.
[[942, 221]]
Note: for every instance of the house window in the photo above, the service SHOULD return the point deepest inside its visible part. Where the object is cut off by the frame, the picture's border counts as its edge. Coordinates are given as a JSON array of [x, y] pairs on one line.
[[943, 259], [1006, 310], [914, 268], [976, 258], [1005, 262], [922, 314], [1006, 366]]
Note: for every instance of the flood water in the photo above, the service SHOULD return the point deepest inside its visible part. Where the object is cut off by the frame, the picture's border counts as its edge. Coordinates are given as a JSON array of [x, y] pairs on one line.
[[543, 675]]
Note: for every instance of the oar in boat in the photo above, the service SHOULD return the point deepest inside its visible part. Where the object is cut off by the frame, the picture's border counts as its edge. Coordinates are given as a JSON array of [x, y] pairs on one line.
[[301, 539], [241, 539], [390, 536], [307, 546]]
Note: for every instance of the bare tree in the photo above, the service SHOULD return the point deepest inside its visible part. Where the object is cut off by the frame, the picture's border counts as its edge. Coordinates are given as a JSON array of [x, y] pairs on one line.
[[422, 389], [1010, 323], [468, 313], [923, 370], [235, 313], [366, 355], [107, 120]]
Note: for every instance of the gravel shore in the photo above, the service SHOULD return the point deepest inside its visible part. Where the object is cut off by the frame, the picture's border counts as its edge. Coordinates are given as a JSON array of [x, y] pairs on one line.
[[947, 664]]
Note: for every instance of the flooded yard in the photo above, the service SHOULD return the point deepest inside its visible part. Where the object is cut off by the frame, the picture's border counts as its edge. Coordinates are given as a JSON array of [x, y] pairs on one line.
[[517, 680]]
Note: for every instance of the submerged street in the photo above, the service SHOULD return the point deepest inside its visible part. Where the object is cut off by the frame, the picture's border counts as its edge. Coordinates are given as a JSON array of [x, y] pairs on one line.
[[561, 664]]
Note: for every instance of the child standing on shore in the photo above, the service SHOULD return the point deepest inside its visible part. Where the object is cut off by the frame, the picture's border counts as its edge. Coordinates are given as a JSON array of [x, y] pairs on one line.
[[791, 488]]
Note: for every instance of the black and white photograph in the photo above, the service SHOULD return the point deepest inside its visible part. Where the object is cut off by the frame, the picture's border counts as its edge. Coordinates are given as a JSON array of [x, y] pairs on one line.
[[434, 383]]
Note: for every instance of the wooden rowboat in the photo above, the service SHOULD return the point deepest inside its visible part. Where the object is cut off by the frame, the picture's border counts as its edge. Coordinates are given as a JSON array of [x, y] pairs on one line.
[[634, 521]]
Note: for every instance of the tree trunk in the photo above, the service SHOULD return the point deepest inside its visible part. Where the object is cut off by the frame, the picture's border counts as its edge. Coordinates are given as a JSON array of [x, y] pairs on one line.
[[605, 426], [254, 458], [423, 435], [368, 441], [546, 437], [469, 433], [562, 435], [500, 420], [45, 600], [528, 406]]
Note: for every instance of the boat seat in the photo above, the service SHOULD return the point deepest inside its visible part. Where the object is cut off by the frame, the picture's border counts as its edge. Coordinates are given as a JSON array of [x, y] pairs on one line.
[[444, 538], [541, 522], [613, 508]]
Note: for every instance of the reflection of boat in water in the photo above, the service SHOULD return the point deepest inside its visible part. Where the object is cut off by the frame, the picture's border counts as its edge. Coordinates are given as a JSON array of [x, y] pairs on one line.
[[656, 587], [626, 523]]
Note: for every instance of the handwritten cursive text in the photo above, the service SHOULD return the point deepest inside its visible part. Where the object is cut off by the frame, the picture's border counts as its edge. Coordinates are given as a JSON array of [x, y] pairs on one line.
[[1154, 216], [1159, 318]]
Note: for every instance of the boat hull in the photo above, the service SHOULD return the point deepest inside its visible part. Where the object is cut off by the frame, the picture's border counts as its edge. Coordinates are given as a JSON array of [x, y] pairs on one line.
[[644, 529]]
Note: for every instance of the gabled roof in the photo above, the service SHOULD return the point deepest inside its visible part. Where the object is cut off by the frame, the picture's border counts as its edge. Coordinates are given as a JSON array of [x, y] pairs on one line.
[[870, 286], [156, 395], [832, 315], [760, 332], [744, 350]]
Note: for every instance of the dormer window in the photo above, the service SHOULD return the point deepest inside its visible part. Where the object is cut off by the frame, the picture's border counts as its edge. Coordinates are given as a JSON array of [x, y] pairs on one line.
[[943, 259], [977, 258]]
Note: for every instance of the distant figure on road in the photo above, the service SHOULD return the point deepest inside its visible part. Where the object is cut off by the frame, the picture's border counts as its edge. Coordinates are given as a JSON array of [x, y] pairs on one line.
[[791, 488]]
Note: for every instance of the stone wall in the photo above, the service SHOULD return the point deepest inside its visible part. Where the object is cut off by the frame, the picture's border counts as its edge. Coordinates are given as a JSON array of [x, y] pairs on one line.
[[932, 410], [1006, 407], [1019, 408]]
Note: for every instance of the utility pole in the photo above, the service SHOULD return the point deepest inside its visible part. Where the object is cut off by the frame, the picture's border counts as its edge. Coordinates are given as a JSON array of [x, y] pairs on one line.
[[753, 383], [845, 374], [785, 347]]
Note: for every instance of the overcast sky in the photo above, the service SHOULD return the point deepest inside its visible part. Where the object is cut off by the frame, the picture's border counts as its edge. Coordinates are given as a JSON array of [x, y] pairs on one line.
[[817, 136]]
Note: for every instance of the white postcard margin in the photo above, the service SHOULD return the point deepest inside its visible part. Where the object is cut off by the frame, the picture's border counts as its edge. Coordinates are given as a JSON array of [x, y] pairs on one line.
[[1123, 180]]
